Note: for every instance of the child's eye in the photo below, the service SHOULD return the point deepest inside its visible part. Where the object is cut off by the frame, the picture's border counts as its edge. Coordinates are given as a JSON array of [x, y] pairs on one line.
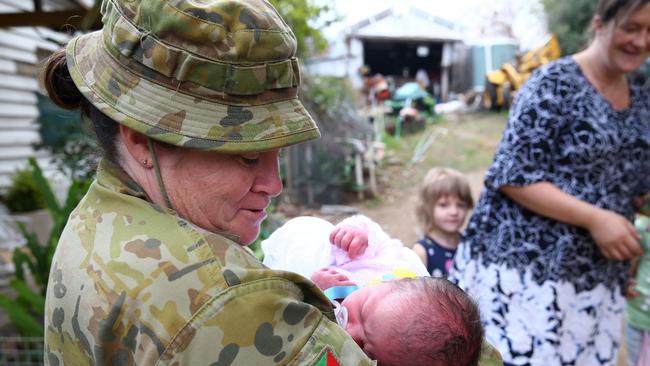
[[250, 159]]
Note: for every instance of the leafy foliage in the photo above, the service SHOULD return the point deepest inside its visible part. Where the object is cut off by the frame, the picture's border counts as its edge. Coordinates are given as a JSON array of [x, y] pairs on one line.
[[22, 195], [570, 21], [26, 311], [322, 169], [307, 19]]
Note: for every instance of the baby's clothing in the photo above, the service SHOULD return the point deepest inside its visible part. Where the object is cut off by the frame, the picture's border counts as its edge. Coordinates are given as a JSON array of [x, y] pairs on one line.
[[302, 245], [439, 258]]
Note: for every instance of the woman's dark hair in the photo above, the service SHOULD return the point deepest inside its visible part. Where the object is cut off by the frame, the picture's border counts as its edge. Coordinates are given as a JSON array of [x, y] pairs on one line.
[[62, 90], [616, 10]]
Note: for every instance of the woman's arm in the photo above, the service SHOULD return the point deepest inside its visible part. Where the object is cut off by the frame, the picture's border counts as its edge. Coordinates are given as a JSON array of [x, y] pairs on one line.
[[614, 234]]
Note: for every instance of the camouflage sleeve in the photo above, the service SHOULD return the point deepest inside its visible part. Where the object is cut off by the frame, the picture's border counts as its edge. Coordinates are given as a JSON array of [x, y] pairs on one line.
[[264, 322], [489, 356]]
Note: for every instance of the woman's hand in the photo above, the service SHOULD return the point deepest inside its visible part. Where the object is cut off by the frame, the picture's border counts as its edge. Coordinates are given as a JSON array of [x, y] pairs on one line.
[[325, 278], [615, 236], [351, 239]]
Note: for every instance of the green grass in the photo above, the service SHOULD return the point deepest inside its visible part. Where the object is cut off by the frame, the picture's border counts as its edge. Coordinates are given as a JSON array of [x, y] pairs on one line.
[[468, 145]]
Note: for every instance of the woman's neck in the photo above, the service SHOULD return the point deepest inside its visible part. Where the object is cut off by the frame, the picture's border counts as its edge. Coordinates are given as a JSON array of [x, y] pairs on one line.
[[445, 239], [609, 82]]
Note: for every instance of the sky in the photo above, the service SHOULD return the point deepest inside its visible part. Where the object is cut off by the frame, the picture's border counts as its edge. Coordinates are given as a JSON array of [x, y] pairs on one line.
[[475, 17]]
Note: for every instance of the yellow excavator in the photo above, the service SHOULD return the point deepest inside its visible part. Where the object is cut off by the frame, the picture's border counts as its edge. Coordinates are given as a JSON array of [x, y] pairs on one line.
[[502, 84]]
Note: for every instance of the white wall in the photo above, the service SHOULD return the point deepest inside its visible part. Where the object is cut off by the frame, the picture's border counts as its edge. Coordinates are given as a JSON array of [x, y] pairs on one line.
[[19, 66]]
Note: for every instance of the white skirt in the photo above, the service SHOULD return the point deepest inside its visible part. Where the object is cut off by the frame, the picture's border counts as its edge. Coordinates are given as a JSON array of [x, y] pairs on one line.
[[543, 325]]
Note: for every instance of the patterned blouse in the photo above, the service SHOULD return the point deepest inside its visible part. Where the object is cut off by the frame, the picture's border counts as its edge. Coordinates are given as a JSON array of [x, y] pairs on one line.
[[562, 131]]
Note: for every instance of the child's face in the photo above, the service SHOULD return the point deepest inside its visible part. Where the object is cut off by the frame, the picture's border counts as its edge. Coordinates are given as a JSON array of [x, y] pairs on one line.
[[449, 213], [369, 309]]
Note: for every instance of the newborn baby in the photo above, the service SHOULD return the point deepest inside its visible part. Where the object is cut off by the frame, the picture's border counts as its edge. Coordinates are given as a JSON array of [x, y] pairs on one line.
[[394, 316]]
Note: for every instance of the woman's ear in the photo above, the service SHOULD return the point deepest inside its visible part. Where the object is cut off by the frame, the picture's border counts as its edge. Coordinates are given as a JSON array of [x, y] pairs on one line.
[[597, 23], [136, 146]]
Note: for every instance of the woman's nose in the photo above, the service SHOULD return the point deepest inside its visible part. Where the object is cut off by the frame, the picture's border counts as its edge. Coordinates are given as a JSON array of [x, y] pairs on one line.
[[642, 40], [268, 179]]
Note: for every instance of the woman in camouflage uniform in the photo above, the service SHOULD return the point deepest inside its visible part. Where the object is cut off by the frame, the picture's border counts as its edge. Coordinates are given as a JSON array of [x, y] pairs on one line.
[[191, 102]]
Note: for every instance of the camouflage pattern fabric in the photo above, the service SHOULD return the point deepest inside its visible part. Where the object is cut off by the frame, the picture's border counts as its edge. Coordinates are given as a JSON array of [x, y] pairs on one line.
[[133, 284], [215, 75]]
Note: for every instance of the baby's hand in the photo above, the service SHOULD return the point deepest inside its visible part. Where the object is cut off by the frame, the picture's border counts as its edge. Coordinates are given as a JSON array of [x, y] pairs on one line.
[[325, 278], [351, 239]]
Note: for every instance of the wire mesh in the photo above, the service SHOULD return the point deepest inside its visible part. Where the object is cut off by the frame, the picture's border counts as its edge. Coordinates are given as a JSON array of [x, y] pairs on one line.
[[21, 351]]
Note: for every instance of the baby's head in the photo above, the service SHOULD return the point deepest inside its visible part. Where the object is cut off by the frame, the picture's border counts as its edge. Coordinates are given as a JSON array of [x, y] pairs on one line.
[[440, 188], [421, 321]]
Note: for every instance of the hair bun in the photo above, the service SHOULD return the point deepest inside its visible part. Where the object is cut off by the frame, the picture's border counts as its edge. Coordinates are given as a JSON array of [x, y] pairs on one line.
[[58, 84]]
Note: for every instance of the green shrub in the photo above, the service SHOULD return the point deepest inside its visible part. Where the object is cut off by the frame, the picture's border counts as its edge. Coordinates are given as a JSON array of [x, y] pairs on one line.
[[22, 195], [27, 309]]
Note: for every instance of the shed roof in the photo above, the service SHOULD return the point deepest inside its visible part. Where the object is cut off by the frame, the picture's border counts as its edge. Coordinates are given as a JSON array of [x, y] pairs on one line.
[[413, 24]]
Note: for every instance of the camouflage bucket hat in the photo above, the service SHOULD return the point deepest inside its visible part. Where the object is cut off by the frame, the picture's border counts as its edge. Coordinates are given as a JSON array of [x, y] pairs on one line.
[[217, 75]]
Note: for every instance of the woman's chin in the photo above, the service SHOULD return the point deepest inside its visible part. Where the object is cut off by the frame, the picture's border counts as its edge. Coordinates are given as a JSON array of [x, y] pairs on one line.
[[248, 236]]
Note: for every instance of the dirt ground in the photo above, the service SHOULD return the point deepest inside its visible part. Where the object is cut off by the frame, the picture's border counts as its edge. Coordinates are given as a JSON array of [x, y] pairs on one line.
[[397, 211], [466, 145]]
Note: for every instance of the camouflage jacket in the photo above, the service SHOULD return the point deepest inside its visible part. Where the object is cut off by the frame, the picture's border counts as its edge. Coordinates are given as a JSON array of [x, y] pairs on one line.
[[134, 284]]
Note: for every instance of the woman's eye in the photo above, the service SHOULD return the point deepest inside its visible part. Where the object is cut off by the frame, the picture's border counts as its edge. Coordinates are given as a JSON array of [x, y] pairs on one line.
[[629, 28], [250, 159]]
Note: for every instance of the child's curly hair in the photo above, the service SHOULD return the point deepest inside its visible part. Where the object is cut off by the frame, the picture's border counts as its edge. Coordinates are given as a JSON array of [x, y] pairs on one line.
[[440, 182]]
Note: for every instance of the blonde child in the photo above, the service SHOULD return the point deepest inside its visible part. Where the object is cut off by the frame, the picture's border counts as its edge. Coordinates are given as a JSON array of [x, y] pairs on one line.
[[444, 201]]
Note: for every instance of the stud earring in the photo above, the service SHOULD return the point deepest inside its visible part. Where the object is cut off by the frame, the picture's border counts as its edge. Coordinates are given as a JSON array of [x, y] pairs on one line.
[[145, 162]]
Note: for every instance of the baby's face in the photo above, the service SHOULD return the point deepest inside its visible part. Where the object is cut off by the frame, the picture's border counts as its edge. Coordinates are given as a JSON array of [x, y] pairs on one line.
[[370, 309]]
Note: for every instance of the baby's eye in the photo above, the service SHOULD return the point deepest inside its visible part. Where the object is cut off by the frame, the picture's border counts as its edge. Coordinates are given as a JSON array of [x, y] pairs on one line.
[[250, 159]]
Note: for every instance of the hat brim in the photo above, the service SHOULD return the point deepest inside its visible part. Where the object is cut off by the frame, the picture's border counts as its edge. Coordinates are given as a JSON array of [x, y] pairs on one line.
[[178, 118]]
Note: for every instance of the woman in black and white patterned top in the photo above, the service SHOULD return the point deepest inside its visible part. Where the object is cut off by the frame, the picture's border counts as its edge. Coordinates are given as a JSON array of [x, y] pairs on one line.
[[546, 248]]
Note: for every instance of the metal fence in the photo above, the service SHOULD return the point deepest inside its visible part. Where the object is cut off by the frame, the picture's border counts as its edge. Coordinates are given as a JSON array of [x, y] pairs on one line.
[[21, 351]]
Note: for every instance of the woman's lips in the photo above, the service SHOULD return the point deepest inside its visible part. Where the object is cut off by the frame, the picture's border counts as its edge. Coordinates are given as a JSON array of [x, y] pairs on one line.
[[255, 213]]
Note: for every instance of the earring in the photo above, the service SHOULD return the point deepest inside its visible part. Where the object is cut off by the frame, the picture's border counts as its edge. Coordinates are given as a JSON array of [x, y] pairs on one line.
[[145, 162]]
